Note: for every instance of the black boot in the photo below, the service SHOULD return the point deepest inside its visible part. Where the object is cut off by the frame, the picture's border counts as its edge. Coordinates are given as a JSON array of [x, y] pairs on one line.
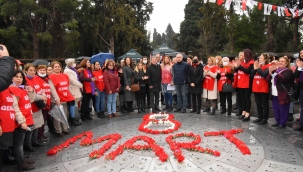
[[212, 111], [75, 122], [139, 106], [142, 105], [83, 118], [223, 111], [290, 117], [170, 108], [101, 114], [123, 109]]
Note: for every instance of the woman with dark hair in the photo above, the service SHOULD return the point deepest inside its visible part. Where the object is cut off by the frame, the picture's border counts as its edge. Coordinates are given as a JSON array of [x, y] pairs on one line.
[[140, 77], [194, 79], [25, 95], [122, 88], [112, 86], [260, 88], [87, 79], [244, 83], [128, 74], [34, 81], [61, 95], [282, 79], [100, 90]]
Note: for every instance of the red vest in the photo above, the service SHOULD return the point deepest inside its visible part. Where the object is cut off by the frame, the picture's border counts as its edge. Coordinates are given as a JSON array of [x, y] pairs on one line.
[[260, 85], [209, 82], [34, 82], [223, 78], [46, 89], [86, 85], [61, 83], [23, 103], [99, 82], [243, 78], [234, 84], [7, 117]]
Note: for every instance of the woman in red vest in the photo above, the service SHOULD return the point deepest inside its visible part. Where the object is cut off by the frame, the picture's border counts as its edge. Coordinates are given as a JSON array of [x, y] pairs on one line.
[[210, 84], [225, 76], [34, 81], [87, 79], [100, 90], [59, 86], [260, 88], [244, 83], [112, 86], [43, 82], [25, 95]]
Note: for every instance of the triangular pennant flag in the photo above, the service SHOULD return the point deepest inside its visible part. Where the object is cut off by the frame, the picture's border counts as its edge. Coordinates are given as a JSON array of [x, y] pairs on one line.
[[227, 4], [244, 5], [293, 12], [237, 4], [212, 1], [300, 12], [274, 7], [267, 9], [220, 2], [259, 5], [287, 12], [280, 11], [255, 3], [250, 4]]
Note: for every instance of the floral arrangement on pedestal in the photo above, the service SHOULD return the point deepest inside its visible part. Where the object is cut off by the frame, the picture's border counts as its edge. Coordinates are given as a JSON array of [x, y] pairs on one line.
[[159, 119]]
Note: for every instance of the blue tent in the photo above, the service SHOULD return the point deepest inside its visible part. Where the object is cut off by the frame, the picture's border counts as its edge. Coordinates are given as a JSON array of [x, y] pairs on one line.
[[101, 58]]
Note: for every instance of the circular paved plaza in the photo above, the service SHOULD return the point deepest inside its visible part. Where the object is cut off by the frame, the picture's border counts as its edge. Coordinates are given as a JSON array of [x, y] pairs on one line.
[[271, 149]]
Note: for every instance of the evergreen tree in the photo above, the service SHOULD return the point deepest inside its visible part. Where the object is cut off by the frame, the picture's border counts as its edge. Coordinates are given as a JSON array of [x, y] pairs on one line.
[[189, 30], [169, 36]]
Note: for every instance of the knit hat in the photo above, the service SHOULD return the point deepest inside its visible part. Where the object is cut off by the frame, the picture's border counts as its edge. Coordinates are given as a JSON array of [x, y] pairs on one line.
[[70, 61]]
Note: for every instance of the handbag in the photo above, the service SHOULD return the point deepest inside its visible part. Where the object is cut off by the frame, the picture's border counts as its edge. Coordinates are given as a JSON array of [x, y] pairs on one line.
[[292, 92], [228, 88], [135, 87], [40, 104]]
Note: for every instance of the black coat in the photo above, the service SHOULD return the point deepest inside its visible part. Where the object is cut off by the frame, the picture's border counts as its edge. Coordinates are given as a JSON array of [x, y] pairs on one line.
[[138, 78], [7, 67], [195, 75], [154, 77]]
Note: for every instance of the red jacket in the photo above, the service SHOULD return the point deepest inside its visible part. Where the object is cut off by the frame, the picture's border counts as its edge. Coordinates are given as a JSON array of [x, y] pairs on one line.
[[111, 81], [99, 82]]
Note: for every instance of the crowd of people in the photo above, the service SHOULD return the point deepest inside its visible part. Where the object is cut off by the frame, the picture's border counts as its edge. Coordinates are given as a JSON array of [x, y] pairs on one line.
[[27, 96]]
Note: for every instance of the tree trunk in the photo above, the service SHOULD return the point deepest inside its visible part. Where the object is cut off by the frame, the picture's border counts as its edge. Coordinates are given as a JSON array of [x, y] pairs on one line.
[[270, 32], [296, 34], [112, 44], [35, 38]]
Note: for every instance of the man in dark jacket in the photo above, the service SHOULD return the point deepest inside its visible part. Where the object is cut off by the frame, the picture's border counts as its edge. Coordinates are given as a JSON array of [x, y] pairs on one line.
[[7, 67], [179, 80], [154, 79]]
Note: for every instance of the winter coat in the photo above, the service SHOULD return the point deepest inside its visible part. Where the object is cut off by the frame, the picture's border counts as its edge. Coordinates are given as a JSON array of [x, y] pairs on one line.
[[7, 67], [286, 78], [128, 76], [195, 75], [180, 73], [74, 85], [138, 78], [111, 82], [154, 77]]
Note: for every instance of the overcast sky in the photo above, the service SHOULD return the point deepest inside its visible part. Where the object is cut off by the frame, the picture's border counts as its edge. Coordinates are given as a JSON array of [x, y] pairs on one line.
[[166, 11]]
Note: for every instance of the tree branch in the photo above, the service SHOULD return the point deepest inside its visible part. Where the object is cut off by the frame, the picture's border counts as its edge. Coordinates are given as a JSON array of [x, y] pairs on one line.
[[103, 39]]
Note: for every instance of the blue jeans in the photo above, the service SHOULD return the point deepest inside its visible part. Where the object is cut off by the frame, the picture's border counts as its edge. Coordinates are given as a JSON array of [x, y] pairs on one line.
[[111, 103], [100, 101], [181, 95]]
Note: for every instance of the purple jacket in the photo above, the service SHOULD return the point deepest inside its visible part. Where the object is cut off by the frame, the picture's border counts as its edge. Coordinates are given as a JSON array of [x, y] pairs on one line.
[[286, 78]]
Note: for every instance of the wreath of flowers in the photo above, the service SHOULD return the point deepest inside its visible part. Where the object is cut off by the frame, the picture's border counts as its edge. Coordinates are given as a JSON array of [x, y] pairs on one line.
[[159, 119], [176, 146], [230, 136], [151, 145]]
